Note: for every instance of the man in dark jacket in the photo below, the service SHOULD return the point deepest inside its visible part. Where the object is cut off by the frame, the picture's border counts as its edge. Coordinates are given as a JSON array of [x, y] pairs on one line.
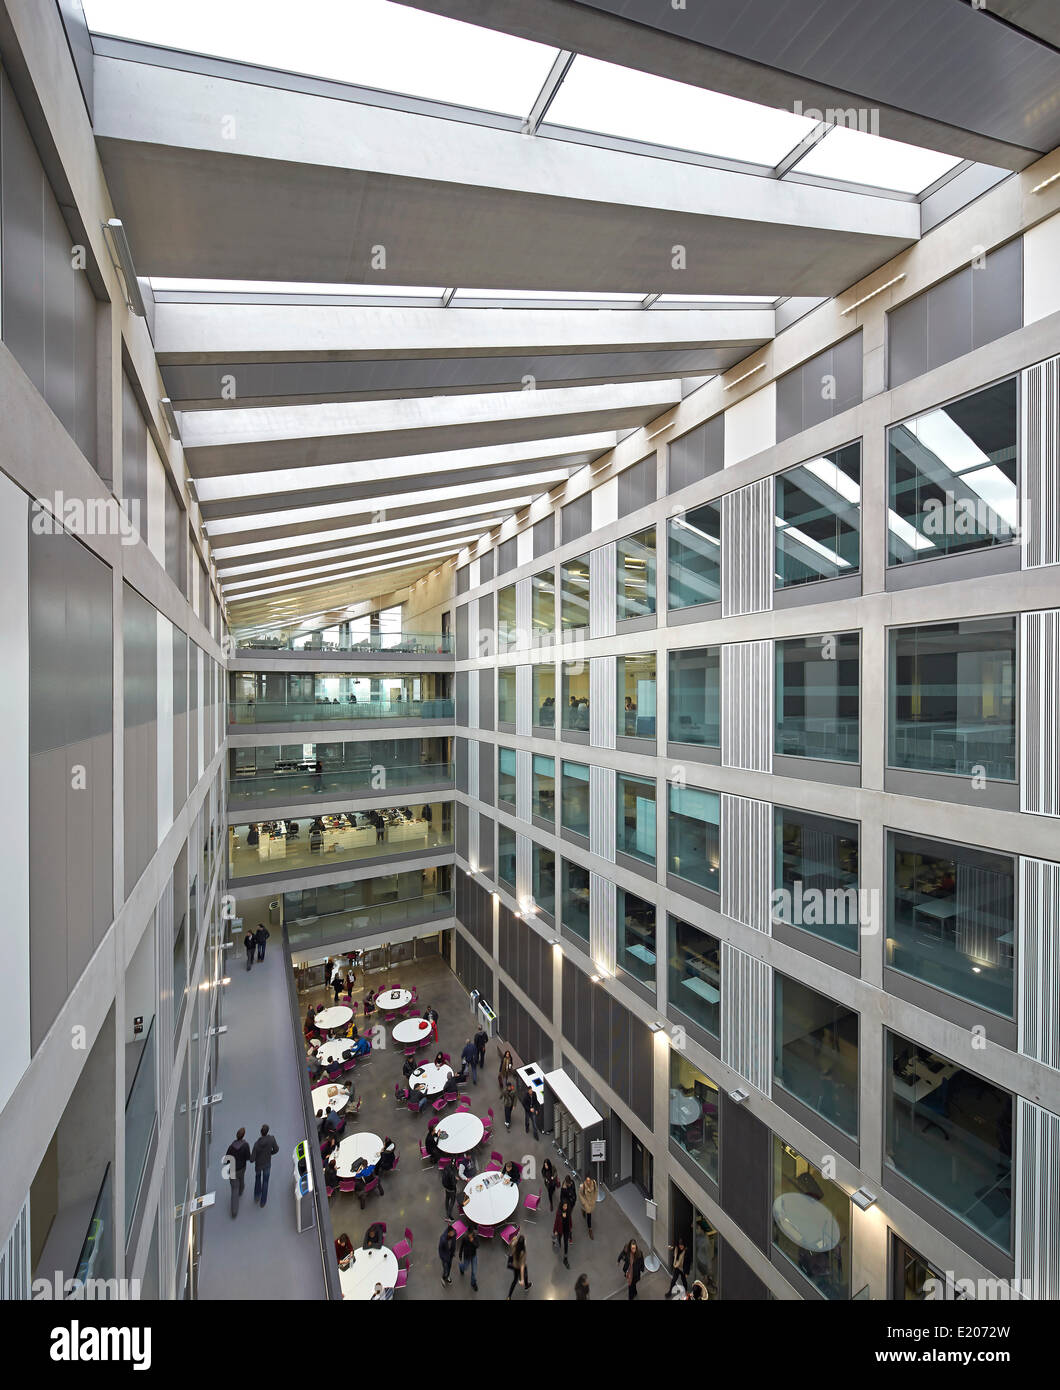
[[264, 1148], [469, 1057], [449, 1188], [481, 1038], [446, 1251], [250, 942], [239, 1152], [261, 936], [530, 1108]]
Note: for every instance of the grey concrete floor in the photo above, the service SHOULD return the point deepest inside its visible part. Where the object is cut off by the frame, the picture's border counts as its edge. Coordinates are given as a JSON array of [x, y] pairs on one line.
[[413, 1194]]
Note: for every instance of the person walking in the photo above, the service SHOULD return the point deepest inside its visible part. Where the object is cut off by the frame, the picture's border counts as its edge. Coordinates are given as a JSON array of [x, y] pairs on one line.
[[581, 1289], [469, 1057], [529, 1102], [588, 1194], [568, 1192], [450, 1189], [480, 1040], [561, 1230], [508, 1100], [632, 1262], [336, 987], [431, 1016], [261, 936], [250, 943], [469, 1255], [551, 1181], [504, 1071], [264, 1148], [679, 1261], [239, 1152], [446, 1251], [517, 1264]]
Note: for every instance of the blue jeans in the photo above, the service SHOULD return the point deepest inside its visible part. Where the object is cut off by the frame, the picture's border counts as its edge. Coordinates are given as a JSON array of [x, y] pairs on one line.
[[473, 1262], [261, 1185], [474, 1070], [447, 1265]]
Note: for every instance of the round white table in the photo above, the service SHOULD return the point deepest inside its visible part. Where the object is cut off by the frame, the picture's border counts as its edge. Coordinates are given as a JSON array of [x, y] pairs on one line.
[[354, 1146], [411, 1030], [684, 1110], [336, 1017], [459, 1133], [321, 1099], [368, 1268], [336, 1050], [432, 1077], [491, 1199], [806, 1221], [393, 999]]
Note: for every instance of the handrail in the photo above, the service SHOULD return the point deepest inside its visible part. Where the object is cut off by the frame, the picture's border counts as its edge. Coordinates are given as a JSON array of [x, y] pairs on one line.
[[386, 643], [324, 1228]]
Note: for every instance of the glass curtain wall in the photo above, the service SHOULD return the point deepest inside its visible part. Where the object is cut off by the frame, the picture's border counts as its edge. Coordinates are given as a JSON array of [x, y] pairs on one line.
[[693, 559], [815, 1052], [543, 605], [507, 637], [817, 704], [694, 985], [815, 875], [544, 877], [695, 696], [505, 694], [636, 696], [694, 1113], [574, 594], [543, 787], [636, 817], [506, 775], [506, 856], [575, 797], [818, 518], [636, 937], [635, 568], [576, 695], [576, 899], [544, 697], [811, 1221], [694, 836]]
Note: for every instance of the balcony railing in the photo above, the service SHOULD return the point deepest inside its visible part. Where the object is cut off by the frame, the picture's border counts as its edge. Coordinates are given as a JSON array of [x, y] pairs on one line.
[[333, 711], [250, 784], [311, 933], [389, 643]]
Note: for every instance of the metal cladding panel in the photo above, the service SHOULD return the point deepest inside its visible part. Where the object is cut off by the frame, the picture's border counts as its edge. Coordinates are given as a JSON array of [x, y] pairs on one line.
[[603, 899], [747, 861], [602, 813], [603, 605], [1038, 961], [524, 700], [523, 783], [747, 541], [747, 1017], [1037, 1163], [602, 700], [1040, 713], [1040, 474], [747, 694]]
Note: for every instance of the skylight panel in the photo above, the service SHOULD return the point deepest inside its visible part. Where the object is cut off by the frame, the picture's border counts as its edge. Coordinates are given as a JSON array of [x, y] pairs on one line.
[[858, 157], [612, 100], [371, 43], [737, 299], [530, 296], [292, 287]]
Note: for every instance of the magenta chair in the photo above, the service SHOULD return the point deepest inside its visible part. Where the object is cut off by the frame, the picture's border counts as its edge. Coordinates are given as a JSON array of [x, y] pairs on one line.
[[487, 1232], [509, 1233], [404, 1247], [532, 1202], [460, 1229], [402, 1279]]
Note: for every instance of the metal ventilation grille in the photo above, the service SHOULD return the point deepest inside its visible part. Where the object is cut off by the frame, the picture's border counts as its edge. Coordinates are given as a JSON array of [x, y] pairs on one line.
[[747, 549], [523, 614], [603, 582], [1040, 433], [1040, 713], [523, 783], [15, 1271], [747, 1017], [473, 766], [524, 882], [602, 812], [1039, 961], [602, 700], [524, 700], [747, 705], [1037, 1212], [603, 897], [746, 860]]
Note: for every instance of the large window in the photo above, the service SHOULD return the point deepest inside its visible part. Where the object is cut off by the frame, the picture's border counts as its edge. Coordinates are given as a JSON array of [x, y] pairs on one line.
[[818, 518], [506, 856], [507, 637], [949, 1133], [694, 1113], [636, 696], [817, 697], [952, 918], [815, 880], [543, 787], [635, 570], [952, 698], [544, 872], [636, 817], [575, 695], [815, 1052], [544, 697], [506, 776], [695, 685], [506, 694], [576, 899], [694, 981], [693, 562], [693, 836], [543, 604], [333, 838], [636, 943], [952, 477], [811, 1221], [574, 594], [575, 798]]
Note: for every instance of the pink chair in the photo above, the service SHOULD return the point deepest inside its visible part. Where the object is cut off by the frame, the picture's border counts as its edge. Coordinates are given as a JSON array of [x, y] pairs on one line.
[[532, 1202], [460, 1229], [431, 1123], [496, 1160], [402, 1279], [444, 1163], [509, 1233], [487, 1232], [370, 1186], [347, 1185], [489, 1112], [424, 1154], [400, 1096], [439, 1105], [464, 1103], [404, 1247]]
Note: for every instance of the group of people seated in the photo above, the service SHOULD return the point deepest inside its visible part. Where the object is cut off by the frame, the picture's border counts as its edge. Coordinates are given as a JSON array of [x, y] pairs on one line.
[[373, 1240], [271, 827]]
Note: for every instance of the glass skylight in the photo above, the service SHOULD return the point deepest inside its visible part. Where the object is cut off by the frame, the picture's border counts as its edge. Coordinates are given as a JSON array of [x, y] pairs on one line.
[[371, 43], [672, 299], [612, 100], [870, 159], [529, 296], [168, 286]]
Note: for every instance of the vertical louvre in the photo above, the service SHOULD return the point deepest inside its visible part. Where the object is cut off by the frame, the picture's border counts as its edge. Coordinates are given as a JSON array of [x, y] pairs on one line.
[[472, 699], [747, 549], [602, 814], [524, 882], [602, 601], [473, 835], [747, 1017], [1037, 1212], [602, 908], [523, 775], [473, 766], [522, 614], [1039, 961], [746, 860], [602, 698], [524, 700], [747, 705], [1040, 433], [15, 1271], [1040, 713]]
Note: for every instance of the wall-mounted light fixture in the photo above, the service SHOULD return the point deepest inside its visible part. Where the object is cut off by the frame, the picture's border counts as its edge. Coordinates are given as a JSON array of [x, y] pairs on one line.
[[740, 1097], [864, 1199], [873, 293], [121, 257], [170, 417]]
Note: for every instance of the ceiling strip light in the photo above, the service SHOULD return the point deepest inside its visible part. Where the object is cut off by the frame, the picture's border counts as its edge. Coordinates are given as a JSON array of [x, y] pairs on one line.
[[1045, 182], [873, 293], [730, 384]]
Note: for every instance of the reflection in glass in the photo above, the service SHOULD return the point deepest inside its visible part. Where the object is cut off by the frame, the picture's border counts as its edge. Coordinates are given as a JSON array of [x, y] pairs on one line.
[[636, 817], [543, 787], [952, 919], [815, 878], [636, 944], [695, 692], [543, 602], [576, 899], [953, 698], [817, 697], [506, 775], [952, 477], [507, 637], [506, 856], [576, 695], [694, 837], [815, 1052], [694, 984], [694, 1113], [544, 697], [811, 1221], [332, 838], [574, 594], [949, 1133], [818, 518], [575, 798], [635, 568], [544, 874], [506, 694], [636, 695], [693, 565]]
